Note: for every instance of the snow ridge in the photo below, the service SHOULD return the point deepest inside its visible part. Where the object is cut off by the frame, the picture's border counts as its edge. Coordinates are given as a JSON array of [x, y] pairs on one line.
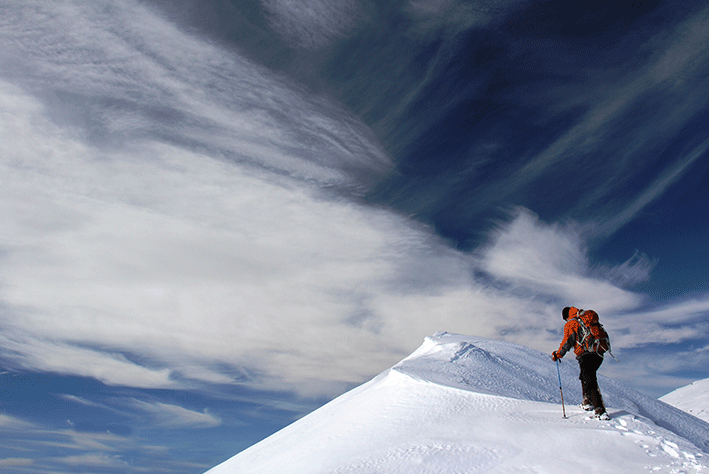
[[510, 370], [692, 398], [463, 404]]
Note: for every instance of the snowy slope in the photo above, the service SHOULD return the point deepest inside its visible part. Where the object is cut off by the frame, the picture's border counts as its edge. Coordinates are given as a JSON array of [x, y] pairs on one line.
[[692, 398], [463, 404]]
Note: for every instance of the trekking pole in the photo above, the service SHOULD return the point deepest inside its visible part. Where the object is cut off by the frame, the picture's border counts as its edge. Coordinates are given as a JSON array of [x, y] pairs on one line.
[[558, 373]]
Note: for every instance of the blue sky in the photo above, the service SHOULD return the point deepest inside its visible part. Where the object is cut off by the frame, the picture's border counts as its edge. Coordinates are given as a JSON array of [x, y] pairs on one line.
[[217, 215]]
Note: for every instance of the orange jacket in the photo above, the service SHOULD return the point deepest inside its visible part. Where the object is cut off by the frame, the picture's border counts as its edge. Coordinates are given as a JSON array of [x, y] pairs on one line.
[[571, 335]]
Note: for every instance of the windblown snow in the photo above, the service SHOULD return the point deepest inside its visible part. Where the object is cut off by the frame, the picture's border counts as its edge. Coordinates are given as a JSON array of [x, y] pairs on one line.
[[462, 404], [692, 398]]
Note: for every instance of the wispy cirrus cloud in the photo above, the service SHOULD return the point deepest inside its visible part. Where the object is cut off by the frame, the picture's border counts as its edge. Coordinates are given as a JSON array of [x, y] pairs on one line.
[[226, 262], [450, 17], [314, 24], [653, 191], [238, 262], [16, 462], [651, 104], [168, 416], [95, 181], [33, 439], [62, 356], [94, 460], [11, 422], [551, 259], [176, 216], [36, 447], [670, 323], [636, 269], [122, 73]]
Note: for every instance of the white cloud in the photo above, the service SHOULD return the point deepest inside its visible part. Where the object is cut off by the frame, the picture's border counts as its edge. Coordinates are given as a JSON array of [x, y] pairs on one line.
[[671, 323], [16, 462], [431, 17], [233, 249], [64, 357], [167, 416], [687, 361], [8, 422], [29, 437], [147, 261], [635, 369], [316, 23], [255, 272], [243, 260], [47, 448], [85, 402], [84, 441], [551, 259], [681, 311], [95, 460], [635, 270], [124, 73]]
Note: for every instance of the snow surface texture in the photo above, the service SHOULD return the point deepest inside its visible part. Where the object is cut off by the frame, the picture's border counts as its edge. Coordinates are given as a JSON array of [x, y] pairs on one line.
[[692, 398], [463, 404]]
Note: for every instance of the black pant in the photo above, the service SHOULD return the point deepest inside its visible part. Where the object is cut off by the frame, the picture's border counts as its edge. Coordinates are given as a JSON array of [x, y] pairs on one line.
[[589, 364]]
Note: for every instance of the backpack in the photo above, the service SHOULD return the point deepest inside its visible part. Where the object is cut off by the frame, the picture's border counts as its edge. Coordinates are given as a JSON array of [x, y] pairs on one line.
[[593, 337]]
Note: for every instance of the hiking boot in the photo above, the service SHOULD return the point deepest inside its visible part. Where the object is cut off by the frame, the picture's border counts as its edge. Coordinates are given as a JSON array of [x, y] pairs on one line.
[[597, 402], [601, 414], [586, 404]]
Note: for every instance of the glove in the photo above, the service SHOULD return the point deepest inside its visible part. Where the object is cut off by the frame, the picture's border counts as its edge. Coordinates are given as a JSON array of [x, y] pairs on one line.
[[555, 356]]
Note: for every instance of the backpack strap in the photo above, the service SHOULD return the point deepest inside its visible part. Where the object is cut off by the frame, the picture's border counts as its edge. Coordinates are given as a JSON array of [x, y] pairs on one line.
[[583, 330], [586, 333]]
